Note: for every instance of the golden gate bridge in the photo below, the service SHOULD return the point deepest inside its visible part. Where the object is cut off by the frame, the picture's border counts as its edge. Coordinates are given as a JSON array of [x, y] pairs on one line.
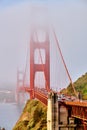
[[46, 71]]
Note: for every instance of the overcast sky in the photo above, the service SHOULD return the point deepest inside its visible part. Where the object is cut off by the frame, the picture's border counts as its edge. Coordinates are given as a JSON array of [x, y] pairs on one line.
[[70, 21]]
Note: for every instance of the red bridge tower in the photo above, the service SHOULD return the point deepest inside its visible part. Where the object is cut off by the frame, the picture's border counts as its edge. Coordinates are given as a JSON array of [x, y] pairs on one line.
[[42, 67]]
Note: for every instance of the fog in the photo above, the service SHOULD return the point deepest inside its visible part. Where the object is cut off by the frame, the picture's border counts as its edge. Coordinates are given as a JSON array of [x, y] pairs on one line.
[[69, 20]]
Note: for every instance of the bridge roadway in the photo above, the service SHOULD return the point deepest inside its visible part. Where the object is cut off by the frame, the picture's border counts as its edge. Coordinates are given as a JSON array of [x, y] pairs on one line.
[[78, 108], [40, 94]]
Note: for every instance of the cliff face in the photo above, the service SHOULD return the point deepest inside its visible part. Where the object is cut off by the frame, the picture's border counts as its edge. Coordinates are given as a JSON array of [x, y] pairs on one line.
[[33, 117]]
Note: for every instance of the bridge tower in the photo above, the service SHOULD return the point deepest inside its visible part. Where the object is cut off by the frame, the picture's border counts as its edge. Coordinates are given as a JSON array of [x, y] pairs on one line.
[[20, 75], [42, 67]]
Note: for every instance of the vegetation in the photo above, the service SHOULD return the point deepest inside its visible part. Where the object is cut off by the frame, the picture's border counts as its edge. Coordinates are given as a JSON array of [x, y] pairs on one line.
[[80, 86], [33, 117]]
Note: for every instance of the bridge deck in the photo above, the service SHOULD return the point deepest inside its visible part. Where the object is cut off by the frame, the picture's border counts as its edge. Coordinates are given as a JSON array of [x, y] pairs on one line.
[[78, 109]]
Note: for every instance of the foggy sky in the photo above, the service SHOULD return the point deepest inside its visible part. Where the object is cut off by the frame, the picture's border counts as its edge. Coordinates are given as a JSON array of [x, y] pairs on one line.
[[70, 22]]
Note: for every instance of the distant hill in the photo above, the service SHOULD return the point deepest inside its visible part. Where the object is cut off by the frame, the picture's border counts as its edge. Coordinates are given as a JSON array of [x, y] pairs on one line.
[[80, 85]]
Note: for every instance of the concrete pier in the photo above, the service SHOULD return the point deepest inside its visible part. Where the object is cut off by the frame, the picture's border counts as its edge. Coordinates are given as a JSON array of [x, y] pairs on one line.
[[58, 115], [52, 112]]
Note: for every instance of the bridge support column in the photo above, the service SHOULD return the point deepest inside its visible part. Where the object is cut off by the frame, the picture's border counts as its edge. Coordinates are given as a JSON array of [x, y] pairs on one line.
[[71, 122], [52, 112]]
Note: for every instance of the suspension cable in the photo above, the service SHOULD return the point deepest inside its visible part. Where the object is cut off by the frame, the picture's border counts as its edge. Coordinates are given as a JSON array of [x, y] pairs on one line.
[[63, 61]]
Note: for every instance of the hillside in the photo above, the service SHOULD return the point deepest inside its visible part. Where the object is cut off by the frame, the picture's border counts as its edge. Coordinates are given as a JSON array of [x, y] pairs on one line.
[[80, 86], [33, 117]]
